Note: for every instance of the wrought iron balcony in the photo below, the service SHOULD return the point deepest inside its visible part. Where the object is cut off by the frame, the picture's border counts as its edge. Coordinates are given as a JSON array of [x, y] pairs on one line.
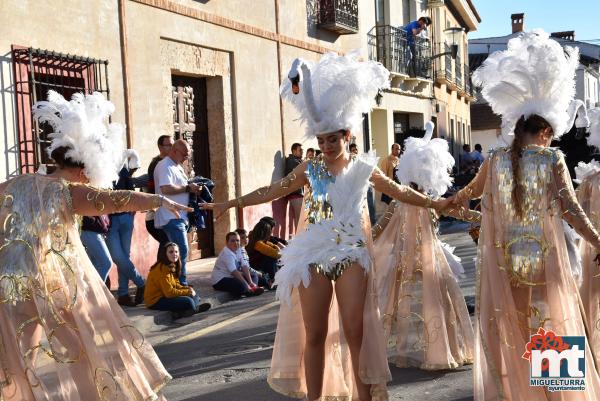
[[389, 45], [458, 70], [468, 85], [340, 16], [448, 62]]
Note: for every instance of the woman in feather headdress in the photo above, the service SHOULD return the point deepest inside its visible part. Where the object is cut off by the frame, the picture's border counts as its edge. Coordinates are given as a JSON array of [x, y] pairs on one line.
[[62, 334], [326, 283], [525, 286], [588, 194], [425, 317]]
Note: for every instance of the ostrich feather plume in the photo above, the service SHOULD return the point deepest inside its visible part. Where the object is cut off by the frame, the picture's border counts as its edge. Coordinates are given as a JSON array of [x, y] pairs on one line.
[[426, 162], [534, 75], [334, 92], [82, 125]]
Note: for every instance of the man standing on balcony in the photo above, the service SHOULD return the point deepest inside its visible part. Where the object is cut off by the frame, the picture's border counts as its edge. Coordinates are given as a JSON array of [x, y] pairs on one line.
[[412, 30]]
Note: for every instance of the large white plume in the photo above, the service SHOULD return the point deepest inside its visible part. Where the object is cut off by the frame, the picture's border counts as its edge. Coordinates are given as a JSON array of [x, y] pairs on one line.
[[584, 170], [534, 75], [427, 163], [333, 93], [82, 125]]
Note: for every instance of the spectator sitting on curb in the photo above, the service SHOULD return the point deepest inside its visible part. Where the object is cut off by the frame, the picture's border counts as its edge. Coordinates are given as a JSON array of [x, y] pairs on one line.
[[226, 276], [251, 275], [281, 243], [263, 253], [163, 290]]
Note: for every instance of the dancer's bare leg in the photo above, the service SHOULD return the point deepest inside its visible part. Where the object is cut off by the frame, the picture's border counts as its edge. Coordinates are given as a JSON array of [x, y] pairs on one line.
[[296, 206], [350, 290], [315, 301], [522, 299]]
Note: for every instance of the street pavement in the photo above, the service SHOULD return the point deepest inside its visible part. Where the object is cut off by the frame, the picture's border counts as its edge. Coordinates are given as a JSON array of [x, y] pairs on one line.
[[225, 354]]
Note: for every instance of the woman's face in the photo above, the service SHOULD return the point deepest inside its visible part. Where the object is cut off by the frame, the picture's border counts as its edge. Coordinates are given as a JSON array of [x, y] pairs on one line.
[[173, 254], [333, 145], [243, 240]]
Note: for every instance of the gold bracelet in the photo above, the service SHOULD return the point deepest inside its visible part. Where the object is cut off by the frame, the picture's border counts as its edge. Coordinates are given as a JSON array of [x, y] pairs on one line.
[[429, 201], [240, 202]]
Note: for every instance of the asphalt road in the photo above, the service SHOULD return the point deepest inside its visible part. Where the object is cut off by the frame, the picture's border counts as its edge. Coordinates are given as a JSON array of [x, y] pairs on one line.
[[225, 353]]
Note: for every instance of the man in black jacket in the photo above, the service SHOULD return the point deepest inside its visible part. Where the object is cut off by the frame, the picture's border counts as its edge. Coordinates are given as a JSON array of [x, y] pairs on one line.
[[295, 198]]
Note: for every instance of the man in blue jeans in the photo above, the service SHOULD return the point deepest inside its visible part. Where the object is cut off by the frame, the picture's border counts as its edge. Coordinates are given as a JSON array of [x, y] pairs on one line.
[[119, 237], [171, 181]]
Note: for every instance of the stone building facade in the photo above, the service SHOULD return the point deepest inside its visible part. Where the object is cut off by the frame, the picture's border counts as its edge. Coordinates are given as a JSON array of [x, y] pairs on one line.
[[205, 70]]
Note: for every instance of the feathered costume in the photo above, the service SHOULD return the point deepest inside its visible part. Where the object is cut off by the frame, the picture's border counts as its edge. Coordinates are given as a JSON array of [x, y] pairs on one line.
[[331, 96], [62, 334], [334, 231], [524, 277], [425, 317], [588, 194]]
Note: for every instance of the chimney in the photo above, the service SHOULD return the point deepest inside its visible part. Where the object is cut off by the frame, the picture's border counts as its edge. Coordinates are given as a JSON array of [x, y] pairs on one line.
[[567, 35], [518, 22]]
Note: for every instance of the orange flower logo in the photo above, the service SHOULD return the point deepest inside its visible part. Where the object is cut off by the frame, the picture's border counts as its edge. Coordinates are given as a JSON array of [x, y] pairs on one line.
[[544, 340]]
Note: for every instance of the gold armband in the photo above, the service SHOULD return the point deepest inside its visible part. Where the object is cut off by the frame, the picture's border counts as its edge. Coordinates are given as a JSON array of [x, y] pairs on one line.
[[240, 202], [157, 201]]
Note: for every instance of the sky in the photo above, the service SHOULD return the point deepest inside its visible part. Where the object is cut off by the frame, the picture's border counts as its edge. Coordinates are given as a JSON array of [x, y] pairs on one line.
[[583, 16]]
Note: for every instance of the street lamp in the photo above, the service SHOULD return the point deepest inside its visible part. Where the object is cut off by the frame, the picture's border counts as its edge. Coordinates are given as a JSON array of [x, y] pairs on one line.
[[455, 34]]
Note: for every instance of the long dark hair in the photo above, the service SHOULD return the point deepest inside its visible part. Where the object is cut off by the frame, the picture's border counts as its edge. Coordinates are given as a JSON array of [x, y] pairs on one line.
[[260, 232], [525, 127], [59, 155], [162, 258]]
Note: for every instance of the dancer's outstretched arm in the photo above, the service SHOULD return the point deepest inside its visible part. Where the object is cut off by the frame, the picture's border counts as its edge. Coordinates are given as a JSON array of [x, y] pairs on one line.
[[571, 209], [403, 193], [474, 189], [461, 213], [290, 183], [90, 201], [384, 220]]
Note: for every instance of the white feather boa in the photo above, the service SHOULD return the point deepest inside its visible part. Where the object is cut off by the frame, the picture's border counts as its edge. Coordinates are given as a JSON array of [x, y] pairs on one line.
[[330, 242]]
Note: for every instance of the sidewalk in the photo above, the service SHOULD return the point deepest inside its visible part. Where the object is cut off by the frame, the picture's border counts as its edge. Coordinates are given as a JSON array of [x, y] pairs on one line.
[[198, 272]]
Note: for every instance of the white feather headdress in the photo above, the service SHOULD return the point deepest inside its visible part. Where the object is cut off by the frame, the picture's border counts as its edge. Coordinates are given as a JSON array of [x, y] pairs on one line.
[[332, 94], [81, 125], [426, 162], [535, 75], [584, 170]]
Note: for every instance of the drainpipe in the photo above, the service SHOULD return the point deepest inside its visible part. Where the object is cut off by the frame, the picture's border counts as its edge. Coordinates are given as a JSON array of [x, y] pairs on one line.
[[124, 71], [279, 69]]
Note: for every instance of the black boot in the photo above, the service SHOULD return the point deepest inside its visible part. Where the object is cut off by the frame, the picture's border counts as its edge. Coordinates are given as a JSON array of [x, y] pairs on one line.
[[125, 300], [139, 295]]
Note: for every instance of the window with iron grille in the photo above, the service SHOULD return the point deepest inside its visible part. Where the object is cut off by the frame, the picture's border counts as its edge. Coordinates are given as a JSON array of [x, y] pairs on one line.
[[36, 72]]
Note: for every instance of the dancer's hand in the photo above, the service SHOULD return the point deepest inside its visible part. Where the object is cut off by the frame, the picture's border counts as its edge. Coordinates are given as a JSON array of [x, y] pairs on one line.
[[175, 207], [217, 208], [440, 204]]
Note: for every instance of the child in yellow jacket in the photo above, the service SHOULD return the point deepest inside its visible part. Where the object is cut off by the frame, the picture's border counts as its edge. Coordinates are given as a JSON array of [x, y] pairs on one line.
[[163, 290]]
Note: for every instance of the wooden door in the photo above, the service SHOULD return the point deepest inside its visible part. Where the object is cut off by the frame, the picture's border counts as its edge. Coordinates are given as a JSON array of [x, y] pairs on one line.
[[190, 123]]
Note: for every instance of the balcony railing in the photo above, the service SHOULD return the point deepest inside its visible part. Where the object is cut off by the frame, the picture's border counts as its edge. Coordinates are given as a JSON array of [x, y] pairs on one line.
[[389, 45], [458, 71], [448, 62], [340, 16], [468, 85]]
